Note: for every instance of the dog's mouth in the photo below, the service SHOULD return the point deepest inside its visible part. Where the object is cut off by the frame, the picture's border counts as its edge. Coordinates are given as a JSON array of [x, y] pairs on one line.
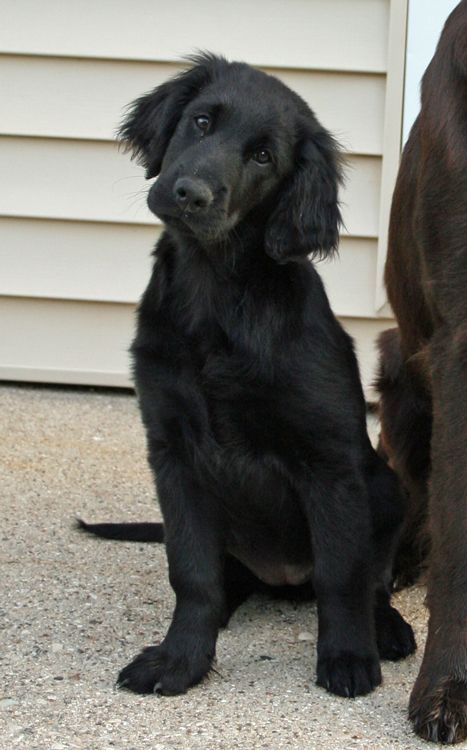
[[211, 225], [208, 229]]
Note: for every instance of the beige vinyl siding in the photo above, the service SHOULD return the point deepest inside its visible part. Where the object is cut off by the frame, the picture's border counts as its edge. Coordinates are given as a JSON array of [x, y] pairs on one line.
[[121, 263], [59, 97], [118, 256], [392, 138], [320, 34], [58, 341], [99, 184], [75, 233]]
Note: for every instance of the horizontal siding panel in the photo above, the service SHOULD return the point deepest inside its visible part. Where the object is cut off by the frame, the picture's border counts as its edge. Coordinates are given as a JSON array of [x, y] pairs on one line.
[[91, 181], [79, 180], [84, 99], [78, 261], [359, 197], [111, 263], [87, 343], [350, 105], [65, 342], [349, 279], [320, 34]]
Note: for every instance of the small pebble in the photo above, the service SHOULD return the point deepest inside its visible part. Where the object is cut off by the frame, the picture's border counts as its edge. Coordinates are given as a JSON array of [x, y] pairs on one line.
[[7, 702]]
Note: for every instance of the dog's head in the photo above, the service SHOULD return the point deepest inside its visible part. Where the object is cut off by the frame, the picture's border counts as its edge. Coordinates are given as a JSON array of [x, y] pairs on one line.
[[231, 144]]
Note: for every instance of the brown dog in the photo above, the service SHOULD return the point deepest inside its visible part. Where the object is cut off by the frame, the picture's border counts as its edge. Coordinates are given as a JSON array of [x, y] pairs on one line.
[[423, 375]]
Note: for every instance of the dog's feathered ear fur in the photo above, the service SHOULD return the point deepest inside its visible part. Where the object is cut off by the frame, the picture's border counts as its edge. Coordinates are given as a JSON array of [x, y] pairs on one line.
[[307, 218], [151, 120]]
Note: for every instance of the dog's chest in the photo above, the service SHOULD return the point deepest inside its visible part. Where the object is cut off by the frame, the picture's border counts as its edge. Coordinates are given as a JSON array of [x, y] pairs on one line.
[[246, 410], [242, 367]]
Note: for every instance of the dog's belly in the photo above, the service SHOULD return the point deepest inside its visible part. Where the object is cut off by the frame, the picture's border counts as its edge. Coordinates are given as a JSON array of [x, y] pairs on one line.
[[276, 572], [275, 560], [258, 467], [268, 531]]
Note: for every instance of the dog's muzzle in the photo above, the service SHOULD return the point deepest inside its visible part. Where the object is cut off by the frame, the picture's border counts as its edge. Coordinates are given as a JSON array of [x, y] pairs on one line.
[[191, 195]]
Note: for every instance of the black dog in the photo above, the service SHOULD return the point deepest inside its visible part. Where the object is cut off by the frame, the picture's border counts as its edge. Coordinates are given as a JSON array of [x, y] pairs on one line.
[[248, 386]]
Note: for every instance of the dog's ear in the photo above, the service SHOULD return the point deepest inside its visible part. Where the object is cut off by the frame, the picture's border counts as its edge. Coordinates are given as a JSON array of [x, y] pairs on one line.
[[307, 218], [151, 120]]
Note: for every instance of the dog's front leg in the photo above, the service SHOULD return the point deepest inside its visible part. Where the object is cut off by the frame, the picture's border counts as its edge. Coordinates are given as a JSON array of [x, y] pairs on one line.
[[338, 513], [438, 704], [193, 540]]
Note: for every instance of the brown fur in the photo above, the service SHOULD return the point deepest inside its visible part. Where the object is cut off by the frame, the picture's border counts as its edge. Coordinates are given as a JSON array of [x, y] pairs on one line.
[[423, 375], [406, 420]]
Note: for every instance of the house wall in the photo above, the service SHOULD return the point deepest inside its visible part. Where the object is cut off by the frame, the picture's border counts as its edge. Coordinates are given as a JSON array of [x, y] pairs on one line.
[[75, 233]]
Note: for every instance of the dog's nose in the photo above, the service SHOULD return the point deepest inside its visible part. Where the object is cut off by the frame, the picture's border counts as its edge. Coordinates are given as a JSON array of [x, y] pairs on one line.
[[192, 195]]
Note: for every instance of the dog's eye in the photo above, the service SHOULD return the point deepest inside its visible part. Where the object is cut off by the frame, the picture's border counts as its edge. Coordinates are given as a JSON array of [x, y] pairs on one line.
[[202, 122], [262, 156]]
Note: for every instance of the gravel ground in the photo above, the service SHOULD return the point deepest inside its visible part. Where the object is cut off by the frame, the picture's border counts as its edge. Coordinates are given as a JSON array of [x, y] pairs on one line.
[[74, 610]]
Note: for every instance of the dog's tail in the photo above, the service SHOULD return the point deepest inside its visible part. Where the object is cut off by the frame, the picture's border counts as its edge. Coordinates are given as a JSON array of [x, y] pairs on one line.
[[125, 532]]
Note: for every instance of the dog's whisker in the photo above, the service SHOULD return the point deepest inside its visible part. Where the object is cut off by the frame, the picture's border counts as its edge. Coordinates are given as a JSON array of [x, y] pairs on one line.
[[133, 178]]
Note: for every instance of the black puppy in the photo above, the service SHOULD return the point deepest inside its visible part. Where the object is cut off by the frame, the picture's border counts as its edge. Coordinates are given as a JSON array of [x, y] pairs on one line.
[[248, 386]]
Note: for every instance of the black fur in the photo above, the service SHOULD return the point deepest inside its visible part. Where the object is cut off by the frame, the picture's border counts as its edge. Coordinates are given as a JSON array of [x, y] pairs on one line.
[[129, 532], [249, 387]]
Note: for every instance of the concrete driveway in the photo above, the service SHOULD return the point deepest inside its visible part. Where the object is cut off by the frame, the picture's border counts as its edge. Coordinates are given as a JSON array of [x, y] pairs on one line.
[[73, 609]]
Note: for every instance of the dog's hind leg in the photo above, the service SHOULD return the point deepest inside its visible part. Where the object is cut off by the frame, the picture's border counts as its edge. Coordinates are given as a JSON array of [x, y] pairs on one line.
[[394, 636], [405, 413]]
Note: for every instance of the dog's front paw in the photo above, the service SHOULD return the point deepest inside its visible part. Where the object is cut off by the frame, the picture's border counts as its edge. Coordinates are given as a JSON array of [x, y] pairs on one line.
[[394, 636], [348, 674], [439, 713], [160, 670]]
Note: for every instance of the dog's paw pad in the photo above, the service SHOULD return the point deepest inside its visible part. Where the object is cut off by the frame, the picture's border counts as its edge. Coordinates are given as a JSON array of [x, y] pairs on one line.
[[441, 714], [348, 675], [394, 636], [155, 670], [152, 671]]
